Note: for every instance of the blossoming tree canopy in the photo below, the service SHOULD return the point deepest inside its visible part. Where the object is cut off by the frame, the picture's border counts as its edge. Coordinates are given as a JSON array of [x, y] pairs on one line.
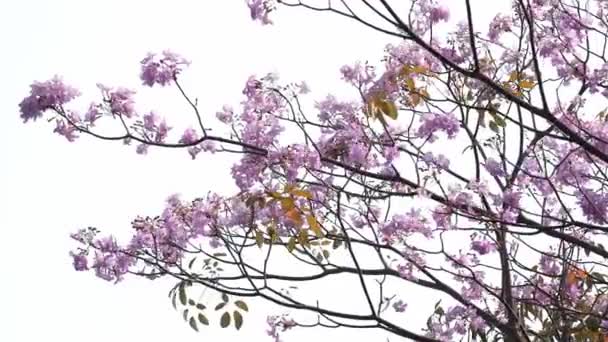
[[473, 165]]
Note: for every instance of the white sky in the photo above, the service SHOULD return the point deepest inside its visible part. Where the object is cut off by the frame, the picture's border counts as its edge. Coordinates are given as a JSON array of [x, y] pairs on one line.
[[49, 188]]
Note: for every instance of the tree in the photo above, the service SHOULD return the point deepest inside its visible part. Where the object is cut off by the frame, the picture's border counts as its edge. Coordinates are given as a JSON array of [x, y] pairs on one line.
[[506, 229]]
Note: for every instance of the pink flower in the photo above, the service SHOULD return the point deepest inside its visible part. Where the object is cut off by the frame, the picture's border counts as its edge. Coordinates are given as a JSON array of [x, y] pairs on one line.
[[399, 306], [46, 95], [594, 205], [483, 246], [260, 9], [433, 123], [161, 69], [120, 100], [189, 136], [80, 261], [226, 115], [494, 168], [499, 25], [439, 13]]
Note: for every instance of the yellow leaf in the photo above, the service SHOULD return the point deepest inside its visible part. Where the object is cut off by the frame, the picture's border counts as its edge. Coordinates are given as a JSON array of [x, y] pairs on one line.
[[419, 69], [513, 76], [415, 99], [295, 216], [302, 193], [406, 70], [287, 204], [575, 275], [314, 225], [289, 188], [526, 84], [388, 108], [410, 84], [303, 238], [273, 194], [369, 109], [423, 93]]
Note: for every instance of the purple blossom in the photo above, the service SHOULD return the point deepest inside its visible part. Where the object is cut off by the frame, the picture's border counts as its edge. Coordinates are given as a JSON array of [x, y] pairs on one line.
[[189, 136], [161, 69], [111, 266], [68, 127], [438, 14], [358, 75], [483, 246], [248, 171], [303, 88], [150, 121], [80, 262], [498, 26], [330, 108], [357, 154], [594, 205], [120, 100], [260, 9], [402, 225], [46, 95], [92, 114], [548, 265], [142, 149], [432, 123], [278, 324], [226, 115], [399, 306], [494, 168], [440, 161]]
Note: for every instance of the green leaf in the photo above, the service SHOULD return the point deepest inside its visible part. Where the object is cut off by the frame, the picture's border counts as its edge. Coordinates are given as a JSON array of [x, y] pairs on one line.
[[388, 108], [593, 323], [291, 244], [191, 262], [191, 302], [241, 305], [182, 294], [336, 244], [174, 300], [259, 238], [482, 117], [225, 320], [220, 306], [238, 320], [272, 233], [200, 306], [185, 314], [500, 121], [319, 257], [203, 319], [224, 298], [470, 96], [326, 254], [193, 324], [494, 126]]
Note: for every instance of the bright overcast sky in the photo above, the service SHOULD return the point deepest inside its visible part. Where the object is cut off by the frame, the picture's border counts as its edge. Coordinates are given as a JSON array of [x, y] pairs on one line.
[[49, 188]]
